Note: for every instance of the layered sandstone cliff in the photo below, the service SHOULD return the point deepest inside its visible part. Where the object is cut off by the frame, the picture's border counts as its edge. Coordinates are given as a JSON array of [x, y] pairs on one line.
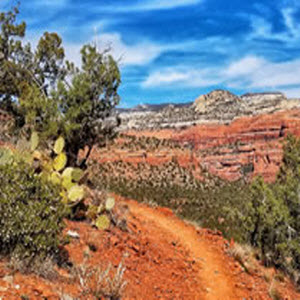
[[249, 146], [219, 106], [227, 135]]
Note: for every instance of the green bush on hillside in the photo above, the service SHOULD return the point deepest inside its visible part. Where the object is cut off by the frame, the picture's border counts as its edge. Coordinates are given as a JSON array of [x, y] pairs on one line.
[[31, 214], [269, 222], [277, 213]]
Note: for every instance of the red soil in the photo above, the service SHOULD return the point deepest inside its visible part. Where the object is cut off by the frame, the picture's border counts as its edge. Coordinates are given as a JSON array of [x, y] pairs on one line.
[[165, 258]]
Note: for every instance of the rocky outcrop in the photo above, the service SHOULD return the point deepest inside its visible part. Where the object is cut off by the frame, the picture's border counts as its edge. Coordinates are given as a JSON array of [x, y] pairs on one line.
[[230, 136], [170, 116], [227, 135], [261, 103], [219, 106], [248, 146]]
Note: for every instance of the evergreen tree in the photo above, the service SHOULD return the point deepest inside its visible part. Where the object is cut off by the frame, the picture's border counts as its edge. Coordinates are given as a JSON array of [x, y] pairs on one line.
[[47, 93]]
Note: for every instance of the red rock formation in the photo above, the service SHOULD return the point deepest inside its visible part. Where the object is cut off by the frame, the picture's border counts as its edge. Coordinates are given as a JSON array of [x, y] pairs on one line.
[[255, 141], [248, 144]]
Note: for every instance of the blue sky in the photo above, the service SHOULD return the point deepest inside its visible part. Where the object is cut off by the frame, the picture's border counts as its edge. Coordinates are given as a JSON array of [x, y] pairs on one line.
[[176, 50]]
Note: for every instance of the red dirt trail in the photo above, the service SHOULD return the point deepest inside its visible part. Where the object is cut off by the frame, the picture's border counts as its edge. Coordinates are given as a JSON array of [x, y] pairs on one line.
[[165, 258], [219, 277], [212, 272]]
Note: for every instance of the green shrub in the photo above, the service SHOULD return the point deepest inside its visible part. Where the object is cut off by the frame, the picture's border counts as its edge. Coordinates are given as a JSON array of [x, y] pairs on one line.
[[277, 210], [269, 222], [31, 214]]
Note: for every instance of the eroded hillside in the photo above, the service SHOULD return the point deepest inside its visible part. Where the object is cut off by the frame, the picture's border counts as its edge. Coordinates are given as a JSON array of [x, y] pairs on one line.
[[228, 136]]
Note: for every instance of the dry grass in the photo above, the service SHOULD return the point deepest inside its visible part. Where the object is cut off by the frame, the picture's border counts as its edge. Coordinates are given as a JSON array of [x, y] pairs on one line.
[[274, 293], [279, 277], [101, 283], [244, 254], [111, 287], [44, 268]]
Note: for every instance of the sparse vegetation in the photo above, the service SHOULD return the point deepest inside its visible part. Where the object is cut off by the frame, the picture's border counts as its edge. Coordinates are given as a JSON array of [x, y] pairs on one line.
[[243, 254], [37, 191], [213, 204], [133, 143], [274, 292], [101, 283]]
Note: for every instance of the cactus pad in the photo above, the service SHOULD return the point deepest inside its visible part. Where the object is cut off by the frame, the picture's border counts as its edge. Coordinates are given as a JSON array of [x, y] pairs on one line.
[[55, 178], [34, 140], [60, 162], [6, 156], [77, 174], [102, 222], [67, 183], [110, 203], [76, 193], [59, 145], [67, 173]]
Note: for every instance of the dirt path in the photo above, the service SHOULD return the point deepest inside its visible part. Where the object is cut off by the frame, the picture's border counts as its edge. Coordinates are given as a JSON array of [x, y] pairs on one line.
[[213, 273], [221, 277], [165, 258]]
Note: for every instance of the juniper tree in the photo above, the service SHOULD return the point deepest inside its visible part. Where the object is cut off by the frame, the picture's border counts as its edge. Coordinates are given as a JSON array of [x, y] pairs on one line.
[[47, 93]]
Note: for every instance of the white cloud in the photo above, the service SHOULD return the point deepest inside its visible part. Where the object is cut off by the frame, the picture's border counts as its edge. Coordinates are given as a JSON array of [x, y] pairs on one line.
[[290, 22], [164, 4], [247, 73], [72, 52], [181, 77], [151, 5], [277, 74], [264, 29], [257, 72], [137, 54], [260, 27], [247, 65], [165, 78]]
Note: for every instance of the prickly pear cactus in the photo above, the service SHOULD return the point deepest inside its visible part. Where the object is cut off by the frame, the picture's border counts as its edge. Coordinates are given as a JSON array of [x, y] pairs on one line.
[[102, 214], [59, 145], [6, 156], [34, 140], [110, 203], [55, 170], [102, 222], [52, 167], [76, 193], [60, 162]]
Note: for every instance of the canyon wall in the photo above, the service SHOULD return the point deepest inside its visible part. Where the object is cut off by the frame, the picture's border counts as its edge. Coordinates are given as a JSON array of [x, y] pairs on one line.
[[229, 136], [219, 106]]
